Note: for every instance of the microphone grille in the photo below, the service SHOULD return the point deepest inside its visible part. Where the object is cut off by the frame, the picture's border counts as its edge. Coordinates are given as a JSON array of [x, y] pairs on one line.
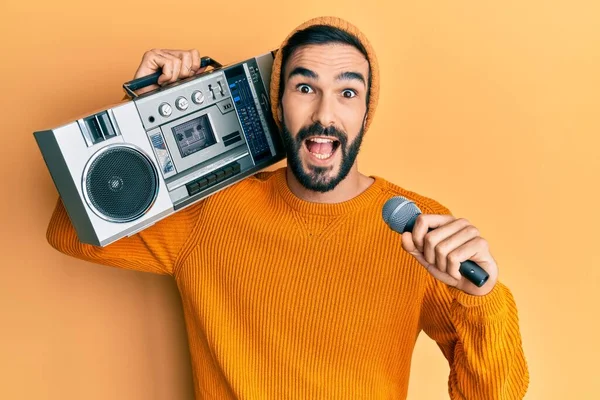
[[398, 212]]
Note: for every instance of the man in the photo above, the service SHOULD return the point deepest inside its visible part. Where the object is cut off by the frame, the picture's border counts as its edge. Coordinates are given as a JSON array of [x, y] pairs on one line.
[[292, 284]]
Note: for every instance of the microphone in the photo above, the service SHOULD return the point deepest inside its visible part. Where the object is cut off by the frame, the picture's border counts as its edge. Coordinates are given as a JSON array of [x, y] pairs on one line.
[[400, 214]]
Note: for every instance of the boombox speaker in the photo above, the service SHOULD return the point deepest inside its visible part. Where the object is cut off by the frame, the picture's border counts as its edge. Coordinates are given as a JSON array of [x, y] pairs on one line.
[[121, 183]]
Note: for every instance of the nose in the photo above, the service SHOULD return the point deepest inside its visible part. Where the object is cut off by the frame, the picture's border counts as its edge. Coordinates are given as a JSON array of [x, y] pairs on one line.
[[324, 112]]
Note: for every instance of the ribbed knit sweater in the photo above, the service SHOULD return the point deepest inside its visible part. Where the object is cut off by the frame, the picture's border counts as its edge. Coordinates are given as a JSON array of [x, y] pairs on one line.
[[287, 299]]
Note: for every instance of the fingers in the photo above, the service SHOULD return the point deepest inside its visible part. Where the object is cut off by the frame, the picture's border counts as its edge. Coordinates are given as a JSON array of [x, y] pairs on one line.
[[186, 62], [195, 60], [170, 65], [468, 250], [425, 222], [174, 64], [439, 242], [442, 250], [447, 251], [409, 245], [155, 60]]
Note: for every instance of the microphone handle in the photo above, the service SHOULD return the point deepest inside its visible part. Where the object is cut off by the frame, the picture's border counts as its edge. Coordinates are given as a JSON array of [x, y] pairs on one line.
[[473, 273], [469, 269]]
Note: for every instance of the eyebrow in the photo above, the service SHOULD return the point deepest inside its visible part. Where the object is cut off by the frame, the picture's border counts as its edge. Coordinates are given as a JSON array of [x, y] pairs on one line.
[[307, 73], [344, 76], [348, 76]]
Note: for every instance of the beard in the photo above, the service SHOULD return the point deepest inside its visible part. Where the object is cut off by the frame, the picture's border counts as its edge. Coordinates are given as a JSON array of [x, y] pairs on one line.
[[319, 179]]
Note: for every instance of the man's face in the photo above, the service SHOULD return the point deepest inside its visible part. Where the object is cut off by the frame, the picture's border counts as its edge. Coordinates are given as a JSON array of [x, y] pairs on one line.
[[323, 112]]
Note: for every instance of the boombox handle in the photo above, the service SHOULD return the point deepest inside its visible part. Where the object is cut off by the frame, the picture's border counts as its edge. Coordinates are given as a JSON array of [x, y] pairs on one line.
[[144, 81]]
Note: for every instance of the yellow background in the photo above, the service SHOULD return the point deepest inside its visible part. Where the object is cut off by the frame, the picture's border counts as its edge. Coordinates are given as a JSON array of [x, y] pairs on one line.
[[489, 107]]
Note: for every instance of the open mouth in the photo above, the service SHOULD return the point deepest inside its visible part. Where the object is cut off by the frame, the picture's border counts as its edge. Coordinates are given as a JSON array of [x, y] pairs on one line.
[[322, 148]]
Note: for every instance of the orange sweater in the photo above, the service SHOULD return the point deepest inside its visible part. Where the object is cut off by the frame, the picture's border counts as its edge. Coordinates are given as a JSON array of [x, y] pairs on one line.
[[289, 299]]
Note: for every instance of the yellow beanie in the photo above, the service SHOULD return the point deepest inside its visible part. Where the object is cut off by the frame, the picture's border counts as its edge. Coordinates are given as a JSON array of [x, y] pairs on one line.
[[347, 27]]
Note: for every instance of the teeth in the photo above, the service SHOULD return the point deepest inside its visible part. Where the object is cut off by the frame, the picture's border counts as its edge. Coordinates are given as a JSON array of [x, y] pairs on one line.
[[322, 156], [321, 140]]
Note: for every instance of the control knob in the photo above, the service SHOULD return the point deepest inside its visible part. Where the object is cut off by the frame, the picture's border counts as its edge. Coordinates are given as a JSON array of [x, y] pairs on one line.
[[165, 109], [197, 97], [181, 103]]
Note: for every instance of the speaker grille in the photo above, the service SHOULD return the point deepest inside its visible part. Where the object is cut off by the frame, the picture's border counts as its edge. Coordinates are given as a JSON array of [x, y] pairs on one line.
[[121, 183]]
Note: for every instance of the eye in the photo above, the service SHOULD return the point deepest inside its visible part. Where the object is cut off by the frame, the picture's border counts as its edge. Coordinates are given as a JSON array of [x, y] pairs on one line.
[[303, 88], [349, 93]]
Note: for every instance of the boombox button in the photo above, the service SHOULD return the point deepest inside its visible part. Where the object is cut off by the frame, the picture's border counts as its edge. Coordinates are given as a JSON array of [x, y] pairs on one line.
[[212, 178], [220, 175], [165, 109], [202, 183], [193, 188], [181, 103]]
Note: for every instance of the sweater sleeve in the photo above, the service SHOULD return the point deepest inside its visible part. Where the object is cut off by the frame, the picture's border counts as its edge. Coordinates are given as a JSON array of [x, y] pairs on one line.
[[480, 338], [478, 335], [156, 249]]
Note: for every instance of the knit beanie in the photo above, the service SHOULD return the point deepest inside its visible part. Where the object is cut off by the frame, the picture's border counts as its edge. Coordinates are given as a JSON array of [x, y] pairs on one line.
[[344, 26]]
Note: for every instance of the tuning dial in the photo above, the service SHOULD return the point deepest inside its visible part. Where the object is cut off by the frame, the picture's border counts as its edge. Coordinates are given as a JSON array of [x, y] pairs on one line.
[[165, 109], [181, 103], [197, 97]]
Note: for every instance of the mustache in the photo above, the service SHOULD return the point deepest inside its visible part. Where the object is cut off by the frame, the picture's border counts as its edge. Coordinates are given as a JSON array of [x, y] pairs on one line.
[[317, 129]]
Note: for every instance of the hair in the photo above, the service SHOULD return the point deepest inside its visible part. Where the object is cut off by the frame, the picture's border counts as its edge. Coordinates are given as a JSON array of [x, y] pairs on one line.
[[319, 34]]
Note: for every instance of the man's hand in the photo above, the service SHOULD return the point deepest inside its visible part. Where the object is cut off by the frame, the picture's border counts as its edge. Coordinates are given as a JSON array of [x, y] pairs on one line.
[[175, 64], [442, 250]]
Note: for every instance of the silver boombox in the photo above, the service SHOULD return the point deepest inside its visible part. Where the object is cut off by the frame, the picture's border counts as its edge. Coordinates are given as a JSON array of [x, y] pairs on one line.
[[121, 170]]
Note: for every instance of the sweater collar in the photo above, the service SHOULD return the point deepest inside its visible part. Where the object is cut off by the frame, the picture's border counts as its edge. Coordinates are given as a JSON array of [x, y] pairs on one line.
[[362, 200]]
